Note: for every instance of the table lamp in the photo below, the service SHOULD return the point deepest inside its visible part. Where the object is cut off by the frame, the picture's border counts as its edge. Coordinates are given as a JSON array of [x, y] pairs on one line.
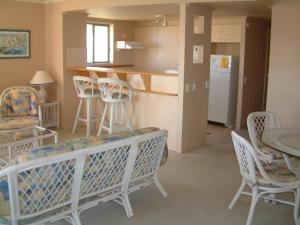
[[42, 78]]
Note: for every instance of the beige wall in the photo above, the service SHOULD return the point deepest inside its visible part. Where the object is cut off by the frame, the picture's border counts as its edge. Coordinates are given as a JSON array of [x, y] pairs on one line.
[[193, 105], [284, 71], [122, 31], [162, 47], [74, 42], [75, 54], [28, 16]]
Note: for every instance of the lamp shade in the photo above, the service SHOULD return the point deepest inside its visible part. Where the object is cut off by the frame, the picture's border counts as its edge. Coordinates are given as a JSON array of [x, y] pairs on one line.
[[41, 77]]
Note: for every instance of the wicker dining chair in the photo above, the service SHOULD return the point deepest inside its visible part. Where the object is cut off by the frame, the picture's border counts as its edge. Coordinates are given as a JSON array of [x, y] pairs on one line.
[[263, 180]]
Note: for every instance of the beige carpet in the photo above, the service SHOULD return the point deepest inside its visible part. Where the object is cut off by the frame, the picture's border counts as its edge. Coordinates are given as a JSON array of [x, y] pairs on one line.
[[200, 185]]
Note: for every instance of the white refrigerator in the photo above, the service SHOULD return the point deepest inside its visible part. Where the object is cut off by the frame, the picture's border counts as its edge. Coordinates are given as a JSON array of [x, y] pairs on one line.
[[223, 83]]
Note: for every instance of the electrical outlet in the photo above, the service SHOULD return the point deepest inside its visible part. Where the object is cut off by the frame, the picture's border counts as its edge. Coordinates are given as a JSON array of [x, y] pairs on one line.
[[187, 88]]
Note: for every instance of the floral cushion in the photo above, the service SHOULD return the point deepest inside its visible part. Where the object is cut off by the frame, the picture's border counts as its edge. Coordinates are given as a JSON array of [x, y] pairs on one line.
[[70, 145], [6, 107], [277, 172], [275, 154], [20, 101], [84, 142], [9, 123], [34, 101]]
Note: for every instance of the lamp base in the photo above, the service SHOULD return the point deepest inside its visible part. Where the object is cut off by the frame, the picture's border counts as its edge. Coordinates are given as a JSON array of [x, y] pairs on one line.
[[42, 94]]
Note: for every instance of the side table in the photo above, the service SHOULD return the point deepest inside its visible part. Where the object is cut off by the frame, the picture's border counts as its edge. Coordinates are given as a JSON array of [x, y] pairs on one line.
[[50, 114]]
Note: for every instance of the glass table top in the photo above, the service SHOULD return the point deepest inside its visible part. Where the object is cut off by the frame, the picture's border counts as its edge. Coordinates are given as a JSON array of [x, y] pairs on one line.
[[10, 136], [286, 140]]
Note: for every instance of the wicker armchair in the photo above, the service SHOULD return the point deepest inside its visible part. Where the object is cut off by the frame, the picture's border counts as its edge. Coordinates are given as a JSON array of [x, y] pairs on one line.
[[19, 107]]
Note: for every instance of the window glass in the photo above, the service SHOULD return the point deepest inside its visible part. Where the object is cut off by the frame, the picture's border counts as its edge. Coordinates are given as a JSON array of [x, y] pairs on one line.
[[97, 43], [89, 42], [101, 47]]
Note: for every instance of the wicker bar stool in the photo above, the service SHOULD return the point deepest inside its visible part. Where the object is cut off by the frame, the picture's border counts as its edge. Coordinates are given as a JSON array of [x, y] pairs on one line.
[[115, 94], [87, 90]]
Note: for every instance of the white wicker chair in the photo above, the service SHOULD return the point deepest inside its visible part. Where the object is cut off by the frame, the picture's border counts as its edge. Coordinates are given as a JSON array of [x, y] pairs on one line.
[[115, 93], [257, 123], [19, 108], [143, 171], [61, 186], [262, 182], [148, 159], [87, 90]]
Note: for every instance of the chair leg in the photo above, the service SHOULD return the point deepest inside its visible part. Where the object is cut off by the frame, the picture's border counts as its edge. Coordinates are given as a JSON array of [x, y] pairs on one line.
[[88, 117], [159, 186], [111, 118], [76, 218], [119, 119], [127, 205], [128, 124], [296, 207], [252, 207], [238, 194], [77, 116], [102, 120]]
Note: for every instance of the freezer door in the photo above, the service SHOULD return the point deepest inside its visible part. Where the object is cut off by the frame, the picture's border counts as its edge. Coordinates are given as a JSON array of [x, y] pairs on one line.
[[219, 86]]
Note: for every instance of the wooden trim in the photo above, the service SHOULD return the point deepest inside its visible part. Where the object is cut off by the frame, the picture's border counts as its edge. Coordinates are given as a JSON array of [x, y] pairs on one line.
[[110, 65], [147, 81], [122, 76], [115, 70], [101, 74], [156, 92]]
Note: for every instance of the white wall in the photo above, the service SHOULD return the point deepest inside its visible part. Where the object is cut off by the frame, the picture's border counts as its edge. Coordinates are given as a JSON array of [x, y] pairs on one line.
[[284, 74]]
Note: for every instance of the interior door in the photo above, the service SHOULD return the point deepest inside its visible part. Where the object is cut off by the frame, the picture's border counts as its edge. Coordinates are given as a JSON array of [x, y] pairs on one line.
[[256, 45]]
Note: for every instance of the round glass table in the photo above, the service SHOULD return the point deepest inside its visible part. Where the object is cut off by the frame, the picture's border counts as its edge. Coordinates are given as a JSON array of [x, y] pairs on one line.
[[285, 140]]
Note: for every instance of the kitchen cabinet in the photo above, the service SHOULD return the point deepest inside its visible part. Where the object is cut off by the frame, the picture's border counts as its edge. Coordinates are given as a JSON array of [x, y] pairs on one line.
[[226, 33]]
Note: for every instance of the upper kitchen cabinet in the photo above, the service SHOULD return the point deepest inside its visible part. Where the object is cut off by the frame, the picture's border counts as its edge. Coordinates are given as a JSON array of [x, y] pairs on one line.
[[226, 30]]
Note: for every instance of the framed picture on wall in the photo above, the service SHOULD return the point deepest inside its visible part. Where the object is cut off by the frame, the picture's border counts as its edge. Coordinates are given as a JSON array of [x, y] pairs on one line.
[[14, 44]]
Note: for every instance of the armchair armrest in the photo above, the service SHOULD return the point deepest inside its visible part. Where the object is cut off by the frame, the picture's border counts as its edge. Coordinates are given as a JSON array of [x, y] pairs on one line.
[[3, 113]]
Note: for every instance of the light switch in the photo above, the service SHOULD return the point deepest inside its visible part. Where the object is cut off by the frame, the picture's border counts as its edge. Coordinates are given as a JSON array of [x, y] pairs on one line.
[[197, 54], [194, 87], [206, 85]]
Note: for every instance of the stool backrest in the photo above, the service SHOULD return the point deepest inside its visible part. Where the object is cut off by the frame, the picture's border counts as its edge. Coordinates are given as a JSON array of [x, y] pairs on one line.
[[85, 87], [113, 90]]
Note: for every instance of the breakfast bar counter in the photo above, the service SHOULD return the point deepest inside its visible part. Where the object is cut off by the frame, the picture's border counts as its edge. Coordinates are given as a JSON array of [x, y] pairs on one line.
[[126, 75], [155, 96]]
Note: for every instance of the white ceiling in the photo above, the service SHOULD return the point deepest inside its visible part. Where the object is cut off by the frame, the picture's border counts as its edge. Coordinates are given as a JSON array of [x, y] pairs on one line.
[[148, 12], [136, 13]]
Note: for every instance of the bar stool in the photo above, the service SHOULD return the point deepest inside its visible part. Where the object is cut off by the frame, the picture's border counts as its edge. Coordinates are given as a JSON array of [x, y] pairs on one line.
[[87, 90], [115, 93]]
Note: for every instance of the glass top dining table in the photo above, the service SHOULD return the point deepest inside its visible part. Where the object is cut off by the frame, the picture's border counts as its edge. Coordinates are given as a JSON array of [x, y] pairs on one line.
[[285, 140]]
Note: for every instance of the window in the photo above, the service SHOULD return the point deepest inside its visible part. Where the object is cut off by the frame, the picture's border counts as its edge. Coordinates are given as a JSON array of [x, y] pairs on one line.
[[97, 43]]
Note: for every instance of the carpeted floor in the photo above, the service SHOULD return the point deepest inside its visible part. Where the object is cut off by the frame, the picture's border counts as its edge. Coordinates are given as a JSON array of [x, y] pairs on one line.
[[200, 184]]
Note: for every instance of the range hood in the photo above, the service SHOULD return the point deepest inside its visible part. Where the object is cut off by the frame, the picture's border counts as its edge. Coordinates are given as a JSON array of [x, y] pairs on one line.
[[130, 45]]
